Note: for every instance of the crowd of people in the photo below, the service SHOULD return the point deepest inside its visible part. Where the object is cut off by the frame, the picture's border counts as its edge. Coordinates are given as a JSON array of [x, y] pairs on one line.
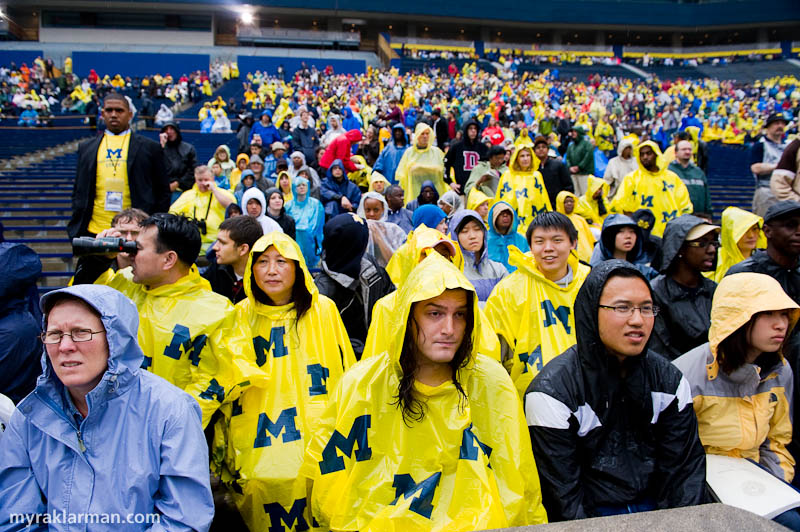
[[33, 95], [413, 302]]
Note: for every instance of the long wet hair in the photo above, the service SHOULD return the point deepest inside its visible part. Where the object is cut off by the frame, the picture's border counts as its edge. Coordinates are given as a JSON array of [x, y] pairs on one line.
[[732, 350], [301, 297], [412, 407]]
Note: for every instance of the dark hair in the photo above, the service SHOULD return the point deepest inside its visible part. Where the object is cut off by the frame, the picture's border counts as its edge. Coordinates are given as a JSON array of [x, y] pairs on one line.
[[130, 215], [242, 230], [732, 351], [60, 297], [301, 297], [118, 97], [391, 189], [682, 135], [176, 233], [412, 407], [553, 220]]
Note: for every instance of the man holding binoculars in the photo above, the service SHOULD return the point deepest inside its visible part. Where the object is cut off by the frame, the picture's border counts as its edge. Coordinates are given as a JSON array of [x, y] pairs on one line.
[[187, 332]]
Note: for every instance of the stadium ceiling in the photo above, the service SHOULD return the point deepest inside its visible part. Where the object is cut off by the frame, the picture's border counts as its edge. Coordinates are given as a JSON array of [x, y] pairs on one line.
[[588, 14]]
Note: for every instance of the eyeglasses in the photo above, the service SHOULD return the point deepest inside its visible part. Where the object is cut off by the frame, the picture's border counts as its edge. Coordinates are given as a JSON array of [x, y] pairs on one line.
[[647, 311], [703, 243], [77, 335]]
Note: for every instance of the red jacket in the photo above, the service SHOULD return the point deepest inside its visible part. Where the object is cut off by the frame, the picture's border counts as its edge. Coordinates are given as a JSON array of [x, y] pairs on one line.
[[341, 148]]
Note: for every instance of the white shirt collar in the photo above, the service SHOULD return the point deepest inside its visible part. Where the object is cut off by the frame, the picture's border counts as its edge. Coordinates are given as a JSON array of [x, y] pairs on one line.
[[108, 132]]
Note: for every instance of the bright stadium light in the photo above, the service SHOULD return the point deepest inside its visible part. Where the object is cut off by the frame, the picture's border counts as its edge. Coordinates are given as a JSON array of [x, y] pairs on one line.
[[247, 17]]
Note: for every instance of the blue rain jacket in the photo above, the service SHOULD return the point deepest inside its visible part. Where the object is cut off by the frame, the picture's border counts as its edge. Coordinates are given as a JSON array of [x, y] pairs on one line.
[[19, 346], [498, 244], [139, 451], [390, 156]]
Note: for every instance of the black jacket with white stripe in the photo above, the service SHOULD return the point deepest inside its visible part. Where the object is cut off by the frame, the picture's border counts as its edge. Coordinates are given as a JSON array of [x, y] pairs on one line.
[[611, 434]]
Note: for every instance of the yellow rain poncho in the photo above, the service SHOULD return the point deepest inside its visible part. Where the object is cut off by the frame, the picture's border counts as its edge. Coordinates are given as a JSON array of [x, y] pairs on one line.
[[735, 223], [189, 336], [419, 165], [467, 465], [377, 176], [259, 445], [282, 112], [286, 190], [203, 206], [589, 207], [662, 192], [420, 242], [360, 177], [476, 198], [236, 174], [533, 316], [523, 190], [585, 236], [603, 135]]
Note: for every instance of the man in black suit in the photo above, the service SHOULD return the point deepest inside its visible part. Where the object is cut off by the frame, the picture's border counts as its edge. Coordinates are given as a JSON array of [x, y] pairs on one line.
[[440, 129], [116, 171]]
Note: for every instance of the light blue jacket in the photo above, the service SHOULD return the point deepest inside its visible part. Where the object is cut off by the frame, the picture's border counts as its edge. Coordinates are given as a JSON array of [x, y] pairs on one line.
[[139, 451], [498, 244], [389, 158]]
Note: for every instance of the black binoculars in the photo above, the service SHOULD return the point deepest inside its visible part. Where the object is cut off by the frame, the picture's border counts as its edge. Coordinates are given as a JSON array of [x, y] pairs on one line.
[[87, 245]]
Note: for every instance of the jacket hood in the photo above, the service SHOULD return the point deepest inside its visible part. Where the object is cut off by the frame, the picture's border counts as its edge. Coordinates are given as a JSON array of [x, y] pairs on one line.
[[334, 164], [120, 319], [735, 223], [659, 158], [476, 198], [300, 180], [254, 193], [374, 196], [626, 142], [512, 163], [737, 299], [495, 211], [460, 219], [591, 350], [452, 199], [354, 136], [674, 234], [344, 242], [428, 184], [457, 223], [174, 124], [375, 177], [289, 249], [646, 220], [472, 122], [278, 181], [428, 279], [21, 268], [427, 215], [223, 147], [561, 198], [608, 235], [592, 185], [401, 128], [421, 128], [242, 157]]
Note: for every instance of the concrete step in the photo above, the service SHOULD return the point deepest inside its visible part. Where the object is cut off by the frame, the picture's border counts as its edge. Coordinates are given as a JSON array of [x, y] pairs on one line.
[[55, 279], [26, 232], [22, 221], [57, 265], [41, 245], [33, 211]]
